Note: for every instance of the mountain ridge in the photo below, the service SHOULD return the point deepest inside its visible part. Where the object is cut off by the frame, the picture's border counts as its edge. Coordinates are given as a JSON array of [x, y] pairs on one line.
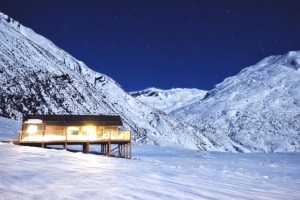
[[37, 77], [258, 108]]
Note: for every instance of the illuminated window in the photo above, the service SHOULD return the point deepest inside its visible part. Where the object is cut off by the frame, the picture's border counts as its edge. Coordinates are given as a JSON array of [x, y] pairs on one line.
[[73, 130], [89, 130]]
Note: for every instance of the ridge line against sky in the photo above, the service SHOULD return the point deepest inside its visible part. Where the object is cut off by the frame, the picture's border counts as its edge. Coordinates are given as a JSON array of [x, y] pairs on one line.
[[164, 44]]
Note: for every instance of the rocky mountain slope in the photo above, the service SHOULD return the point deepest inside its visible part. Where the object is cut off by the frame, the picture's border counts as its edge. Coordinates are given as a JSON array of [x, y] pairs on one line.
[[169, 100], [258, 109], [37, 77]]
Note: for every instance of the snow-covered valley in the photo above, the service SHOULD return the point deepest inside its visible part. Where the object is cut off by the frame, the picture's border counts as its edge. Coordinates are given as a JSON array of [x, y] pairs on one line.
[[254, 111], [57, 83]]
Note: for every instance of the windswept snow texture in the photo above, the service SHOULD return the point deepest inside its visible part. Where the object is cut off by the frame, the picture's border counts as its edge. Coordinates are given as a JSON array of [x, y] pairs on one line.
[[37, 77], [257, 110], [169, 100], [153, 173]]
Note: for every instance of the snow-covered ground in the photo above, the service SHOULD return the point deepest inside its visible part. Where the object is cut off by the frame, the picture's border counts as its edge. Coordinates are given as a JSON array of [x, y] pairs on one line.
[[153, 173]]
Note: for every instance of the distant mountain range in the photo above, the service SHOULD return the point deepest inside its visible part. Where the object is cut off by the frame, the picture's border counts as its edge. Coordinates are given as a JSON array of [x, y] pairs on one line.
[[257, 110], [169, 100]]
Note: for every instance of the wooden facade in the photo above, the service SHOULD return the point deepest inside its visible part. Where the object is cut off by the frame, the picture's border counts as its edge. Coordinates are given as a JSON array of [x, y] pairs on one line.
[[85, 130]]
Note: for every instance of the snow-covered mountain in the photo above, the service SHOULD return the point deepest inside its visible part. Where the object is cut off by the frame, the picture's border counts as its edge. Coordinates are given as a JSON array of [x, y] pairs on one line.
[[169, 100], [37, 77], [258, 109]]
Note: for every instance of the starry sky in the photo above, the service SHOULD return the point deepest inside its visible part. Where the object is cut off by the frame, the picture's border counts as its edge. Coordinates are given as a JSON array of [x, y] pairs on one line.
[[164, 43]]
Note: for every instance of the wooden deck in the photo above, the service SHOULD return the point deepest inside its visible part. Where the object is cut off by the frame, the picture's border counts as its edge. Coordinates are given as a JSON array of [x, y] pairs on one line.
[[112, 143]]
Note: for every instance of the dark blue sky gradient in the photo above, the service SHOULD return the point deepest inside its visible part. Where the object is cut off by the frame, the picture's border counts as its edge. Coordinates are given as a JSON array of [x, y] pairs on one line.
[[164, 43]]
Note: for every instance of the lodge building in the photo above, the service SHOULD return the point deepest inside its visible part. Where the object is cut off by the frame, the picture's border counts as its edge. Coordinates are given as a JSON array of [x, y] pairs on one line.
[[85, 130]]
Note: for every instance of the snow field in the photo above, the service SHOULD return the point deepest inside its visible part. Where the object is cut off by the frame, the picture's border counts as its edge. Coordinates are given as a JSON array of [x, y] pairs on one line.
[[153, 173]]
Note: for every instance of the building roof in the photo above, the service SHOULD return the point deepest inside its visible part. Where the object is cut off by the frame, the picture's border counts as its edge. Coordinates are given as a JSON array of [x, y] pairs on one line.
[[100, 120]]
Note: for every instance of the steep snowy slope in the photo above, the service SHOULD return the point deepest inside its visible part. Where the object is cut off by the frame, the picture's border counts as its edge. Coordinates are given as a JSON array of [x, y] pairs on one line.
[[168, 100], [37, 77], [258, 109]]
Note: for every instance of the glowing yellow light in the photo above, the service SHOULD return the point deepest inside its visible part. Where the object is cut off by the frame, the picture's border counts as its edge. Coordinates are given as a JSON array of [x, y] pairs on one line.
[[89, 129], [32, 129]]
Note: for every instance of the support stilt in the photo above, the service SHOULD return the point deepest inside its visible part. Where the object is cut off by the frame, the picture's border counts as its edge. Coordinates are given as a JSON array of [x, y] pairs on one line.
[[86, 148]]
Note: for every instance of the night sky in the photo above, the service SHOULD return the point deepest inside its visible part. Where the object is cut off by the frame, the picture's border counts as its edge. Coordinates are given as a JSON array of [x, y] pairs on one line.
[[164, 43]]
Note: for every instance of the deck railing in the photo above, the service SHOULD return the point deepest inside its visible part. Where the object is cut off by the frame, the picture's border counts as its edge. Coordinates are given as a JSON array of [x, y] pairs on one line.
[[60, 135]]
